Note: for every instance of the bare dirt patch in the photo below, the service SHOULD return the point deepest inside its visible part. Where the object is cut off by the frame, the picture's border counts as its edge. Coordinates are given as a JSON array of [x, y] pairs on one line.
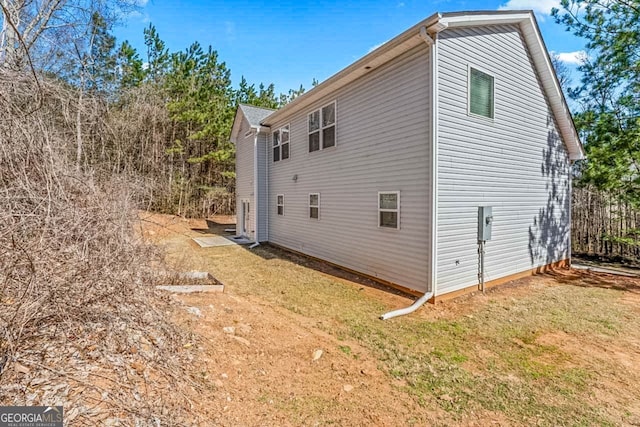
[[555, 349]]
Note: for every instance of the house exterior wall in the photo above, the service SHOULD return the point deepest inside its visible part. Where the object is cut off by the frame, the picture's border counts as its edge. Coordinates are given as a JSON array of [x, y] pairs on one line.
[[383, 144], [516, 163], [244, 176]]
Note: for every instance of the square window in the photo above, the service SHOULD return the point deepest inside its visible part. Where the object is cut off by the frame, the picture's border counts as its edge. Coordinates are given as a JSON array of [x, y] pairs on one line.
[[481, 93], [285, 151], [389, 219], [314, 121], [276, 154], [328, 115], [388, 201], [329, 137], [314, 141]]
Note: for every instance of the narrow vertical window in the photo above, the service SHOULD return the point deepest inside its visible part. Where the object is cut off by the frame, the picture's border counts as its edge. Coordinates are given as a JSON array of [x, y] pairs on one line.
[[280, 204], [314, 131], [314, 205], [276, 146], [481, 93], [284, 142], [389, 209], [329, 125]]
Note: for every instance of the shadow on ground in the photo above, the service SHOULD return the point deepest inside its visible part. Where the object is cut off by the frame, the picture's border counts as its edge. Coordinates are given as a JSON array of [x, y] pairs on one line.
[[591, 279]]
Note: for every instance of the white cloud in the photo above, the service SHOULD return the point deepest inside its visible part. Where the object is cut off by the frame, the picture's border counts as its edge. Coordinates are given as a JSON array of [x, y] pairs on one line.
[[574, 58], [230, 30], [542, 7], [136, 15], [375, 46]]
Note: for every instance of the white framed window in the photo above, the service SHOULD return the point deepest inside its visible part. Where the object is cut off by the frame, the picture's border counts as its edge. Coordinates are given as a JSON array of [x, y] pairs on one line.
[[280, 204], [314, 205], [280, 139], [481, 93], [322, 127], [389, 209]]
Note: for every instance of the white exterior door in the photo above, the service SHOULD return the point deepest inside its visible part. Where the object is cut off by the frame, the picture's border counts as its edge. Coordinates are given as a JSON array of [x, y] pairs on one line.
[[245, 224]]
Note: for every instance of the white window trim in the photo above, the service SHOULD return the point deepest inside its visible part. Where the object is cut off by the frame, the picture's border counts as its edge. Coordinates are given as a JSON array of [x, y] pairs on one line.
[[279, 204], [279, 146], [397, 210], [493, 95], [312, 206], [321, 128]]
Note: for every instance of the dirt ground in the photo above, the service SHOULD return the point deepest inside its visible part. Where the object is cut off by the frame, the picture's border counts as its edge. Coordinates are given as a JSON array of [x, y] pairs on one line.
[[292, 341]]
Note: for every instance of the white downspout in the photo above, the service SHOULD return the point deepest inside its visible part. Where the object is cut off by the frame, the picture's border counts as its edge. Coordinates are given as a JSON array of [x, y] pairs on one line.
[[255, 188], [267, 149], [432, 41]]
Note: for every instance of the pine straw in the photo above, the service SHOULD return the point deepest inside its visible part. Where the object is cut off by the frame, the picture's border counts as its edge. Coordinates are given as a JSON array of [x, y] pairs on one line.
[[80, 322]]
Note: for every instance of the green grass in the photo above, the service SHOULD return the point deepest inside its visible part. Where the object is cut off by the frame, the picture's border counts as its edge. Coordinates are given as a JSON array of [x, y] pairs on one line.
[[492, 361]]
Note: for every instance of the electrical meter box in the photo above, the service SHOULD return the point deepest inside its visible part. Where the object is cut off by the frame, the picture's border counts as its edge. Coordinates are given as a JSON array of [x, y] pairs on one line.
[[485, 220]]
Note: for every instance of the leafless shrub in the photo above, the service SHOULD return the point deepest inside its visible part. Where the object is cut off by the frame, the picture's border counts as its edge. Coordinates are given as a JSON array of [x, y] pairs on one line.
[[74, 276]]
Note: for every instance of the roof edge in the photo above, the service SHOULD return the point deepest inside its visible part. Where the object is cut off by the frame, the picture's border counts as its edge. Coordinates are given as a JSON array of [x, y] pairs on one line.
[[328, 85], [440, 22]]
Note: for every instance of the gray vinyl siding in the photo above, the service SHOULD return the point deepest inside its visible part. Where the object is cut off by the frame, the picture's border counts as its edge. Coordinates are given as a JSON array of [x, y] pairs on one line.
[[262, 199], [516, 163], [383, 137], [244, 175]]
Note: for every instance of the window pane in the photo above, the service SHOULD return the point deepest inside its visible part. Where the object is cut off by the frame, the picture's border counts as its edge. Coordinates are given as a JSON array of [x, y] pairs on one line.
[[314, 141], [388, 201], [313, 213], [313, 200], [314, 121], [276, 154], [285, 151], [276, 138], [280, 210], [481, 94], [328, 115], [329, 137], [280, 199], [389, 219], [285, 134]]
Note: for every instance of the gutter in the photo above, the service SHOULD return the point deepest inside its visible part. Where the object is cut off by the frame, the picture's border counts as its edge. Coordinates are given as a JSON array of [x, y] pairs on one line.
[[430, 37]]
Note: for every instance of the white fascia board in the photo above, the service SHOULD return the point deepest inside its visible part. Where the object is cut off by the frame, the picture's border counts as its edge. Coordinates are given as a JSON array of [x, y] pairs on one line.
[[237, 125], [551, 85], [259, 129], [459, 20]]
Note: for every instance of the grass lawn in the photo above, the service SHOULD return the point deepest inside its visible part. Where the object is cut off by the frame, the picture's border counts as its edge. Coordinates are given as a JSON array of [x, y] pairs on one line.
[[555, 349]]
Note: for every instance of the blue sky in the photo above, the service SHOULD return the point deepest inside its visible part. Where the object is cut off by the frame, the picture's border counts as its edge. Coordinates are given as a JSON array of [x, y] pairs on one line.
[[290, 43]]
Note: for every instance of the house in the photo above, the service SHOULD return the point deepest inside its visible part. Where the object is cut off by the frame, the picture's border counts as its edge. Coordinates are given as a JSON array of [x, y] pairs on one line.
[[385, 167]]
